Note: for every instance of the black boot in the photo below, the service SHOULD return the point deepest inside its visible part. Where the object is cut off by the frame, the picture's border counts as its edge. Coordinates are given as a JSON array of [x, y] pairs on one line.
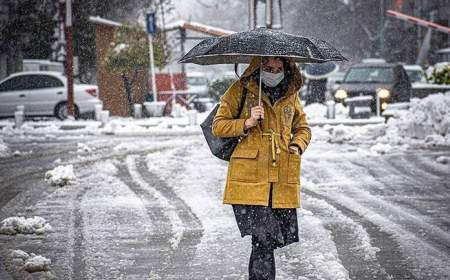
[[262, 263]]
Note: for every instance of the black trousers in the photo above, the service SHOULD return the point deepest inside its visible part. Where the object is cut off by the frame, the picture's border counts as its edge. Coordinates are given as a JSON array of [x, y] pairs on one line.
[[262, 262], [270, 229], [262, 259]]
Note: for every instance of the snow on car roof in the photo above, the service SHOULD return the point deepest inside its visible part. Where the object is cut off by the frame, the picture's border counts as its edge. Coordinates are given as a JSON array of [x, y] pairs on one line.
[[51, 73], [373, 65], [195, 74], [413, 67]]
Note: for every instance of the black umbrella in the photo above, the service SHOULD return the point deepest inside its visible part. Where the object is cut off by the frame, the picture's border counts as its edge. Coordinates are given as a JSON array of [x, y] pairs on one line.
[[240, 47], [320, 71]]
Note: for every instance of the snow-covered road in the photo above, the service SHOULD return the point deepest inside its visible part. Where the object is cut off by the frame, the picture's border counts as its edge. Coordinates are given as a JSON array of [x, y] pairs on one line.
[[151, 208]]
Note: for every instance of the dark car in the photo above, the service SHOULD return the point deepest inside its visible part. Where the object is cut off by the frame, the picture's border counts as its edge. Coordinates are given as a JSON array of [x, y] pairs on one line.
[[366, 81]]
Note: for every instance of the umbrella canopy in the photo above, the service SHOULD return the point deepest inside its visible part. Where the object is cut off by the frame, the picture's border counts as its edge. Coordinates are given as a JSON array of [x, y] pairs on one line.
[[320, 71], [240, 47]]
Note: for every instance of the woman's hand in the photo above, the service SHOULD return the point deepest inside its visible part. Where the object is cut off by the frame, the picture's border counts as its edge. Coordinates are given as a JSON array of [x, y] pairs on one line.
[[294, 149], [256, 113]]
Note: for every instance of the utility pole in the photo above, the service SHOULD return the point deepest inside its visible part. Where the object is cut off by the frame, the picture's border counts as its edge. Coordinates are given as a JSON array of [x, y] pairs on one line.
[[269, 13], [69, 58], [381, 49], [272, 19], [182, 42], [251, 14], [151, 30]]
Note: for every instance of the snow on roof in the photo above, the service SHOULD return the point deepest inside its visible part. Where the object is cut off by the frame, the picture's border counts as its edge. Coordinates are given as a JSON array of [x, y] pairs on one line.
[[373, 60], [104, 21], [413, 67], [199, 27], [446, 50], [175, 24], [50, 73], [195, 74], [41, 61]]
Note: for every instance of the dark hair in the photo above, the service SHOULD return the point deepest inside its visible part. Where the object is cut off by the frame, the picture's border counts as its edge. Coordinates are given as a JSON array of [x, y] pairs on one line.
[[283, 59]]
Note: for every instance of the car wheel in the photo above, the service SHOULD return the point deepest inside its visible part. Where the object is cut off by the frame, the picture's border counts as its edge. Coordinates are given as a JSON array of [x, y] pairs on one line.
[[61, 111]]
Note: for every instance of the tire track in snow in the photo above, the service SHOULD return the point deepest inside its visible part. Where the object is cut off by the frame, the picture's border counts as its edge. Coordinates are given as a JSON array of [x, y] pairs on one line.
[[78, 264], [161, 244], [391, 219], [389, 262], [414, 217], [191, 226], [182, 228]]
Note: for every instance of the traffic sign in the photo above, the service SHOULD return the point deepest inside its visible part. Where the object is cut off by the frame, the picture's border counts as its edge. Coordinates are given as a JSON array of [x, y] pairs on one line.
[[151, 23]]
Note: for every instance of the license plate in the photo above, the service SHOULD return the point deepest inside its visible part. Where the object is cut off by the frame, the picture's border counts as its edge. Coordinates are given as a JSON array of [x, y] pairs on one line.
[[365, 109]]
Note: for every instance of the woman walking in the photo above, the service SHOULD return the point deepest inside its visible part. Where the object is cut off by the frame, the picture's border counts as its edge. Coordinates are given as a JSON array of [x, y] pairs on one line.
[[263, 180]]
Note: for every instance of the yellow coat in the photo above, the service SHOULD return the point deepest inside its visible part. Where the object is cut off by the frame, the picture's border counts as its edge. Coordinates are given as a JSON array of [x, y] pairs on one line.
[[251, 168]]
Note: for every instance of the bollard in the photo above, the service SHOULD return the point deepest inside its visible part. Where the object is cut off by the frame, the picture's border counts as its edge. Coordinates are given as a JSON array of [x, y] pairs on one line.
[[192, 116], [104, 116], [155, 109], [18, 119], [331, 109], [137, 111], [98, 111], [378, 105], [176, 110], [20, 108]]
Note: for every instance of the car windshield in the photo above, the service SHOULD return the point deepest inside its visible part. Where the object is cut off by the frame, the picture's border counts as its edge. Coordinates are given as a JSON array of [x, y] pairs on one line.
[[370, 75], [196, 81], [415, 76]]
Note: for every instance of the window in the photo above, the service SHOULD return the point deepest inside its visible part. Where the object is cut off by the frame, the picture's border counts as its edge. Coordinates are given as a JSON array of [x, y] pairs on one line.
[[370, 75], [16, 83], [27, 82], [197, 81], [49, 82], [9, 85]]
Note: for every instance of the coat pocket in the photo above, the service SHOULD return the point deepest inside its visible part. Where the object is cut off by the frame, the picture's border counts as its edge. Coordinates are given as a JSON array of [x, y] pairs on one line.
[[244, 165], [294, 163]]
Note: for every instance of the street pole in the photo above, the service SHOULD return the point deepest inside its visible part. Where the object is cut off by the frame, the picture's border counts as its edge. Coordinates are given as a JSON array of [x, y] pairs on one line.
[[381, 28], [69, 58], [251, 14], [269, 13], [182, 42], [152, 67], [172, 88]]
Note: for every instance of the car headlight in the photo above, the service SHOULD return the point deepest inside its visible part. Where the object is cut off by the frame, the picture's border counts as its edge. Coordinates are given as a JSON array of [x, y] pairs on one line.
[[383, 93], [340, 94]]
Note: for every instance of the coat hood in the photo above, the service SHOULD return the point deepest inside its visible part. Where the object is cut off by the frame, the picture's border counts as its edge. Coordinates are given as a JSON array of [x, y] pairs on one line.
[[294, 85]]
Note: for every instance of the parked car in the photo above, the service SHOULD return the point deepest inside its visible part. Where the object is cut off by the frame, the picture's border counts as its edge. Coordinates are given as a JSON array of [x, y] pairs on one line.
[[415, 73], [367, 80], [44, 94], [197, 83], [420, 86]]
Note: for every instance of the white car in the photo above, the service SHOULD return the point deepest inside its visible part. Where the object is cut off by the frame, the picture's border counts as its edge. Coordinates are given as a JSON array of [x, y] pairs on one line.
[[415, 73], [44, 94], [197, 83]]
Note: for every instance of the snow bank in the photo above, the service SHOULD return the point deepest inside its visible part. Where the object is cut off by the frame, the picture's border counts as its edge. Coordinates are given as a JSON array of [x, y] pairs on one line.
[[30, 262], [60, 176], [4, 150], [443, 159], [315, 111], [381, 148], [426, 123], [15, 225], [125, 147], [83, 149], [427, 116]]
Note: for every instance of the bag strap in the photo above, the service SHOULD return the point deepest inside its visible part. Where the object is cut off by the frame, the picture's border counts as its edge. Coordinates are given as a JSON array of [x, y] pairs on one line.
[[241, 105]]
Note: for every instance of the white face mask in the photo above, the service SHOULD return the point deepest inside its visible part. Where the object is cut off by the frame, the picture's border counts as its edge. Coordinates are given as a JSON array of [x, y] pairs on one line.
[[271, 79]]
